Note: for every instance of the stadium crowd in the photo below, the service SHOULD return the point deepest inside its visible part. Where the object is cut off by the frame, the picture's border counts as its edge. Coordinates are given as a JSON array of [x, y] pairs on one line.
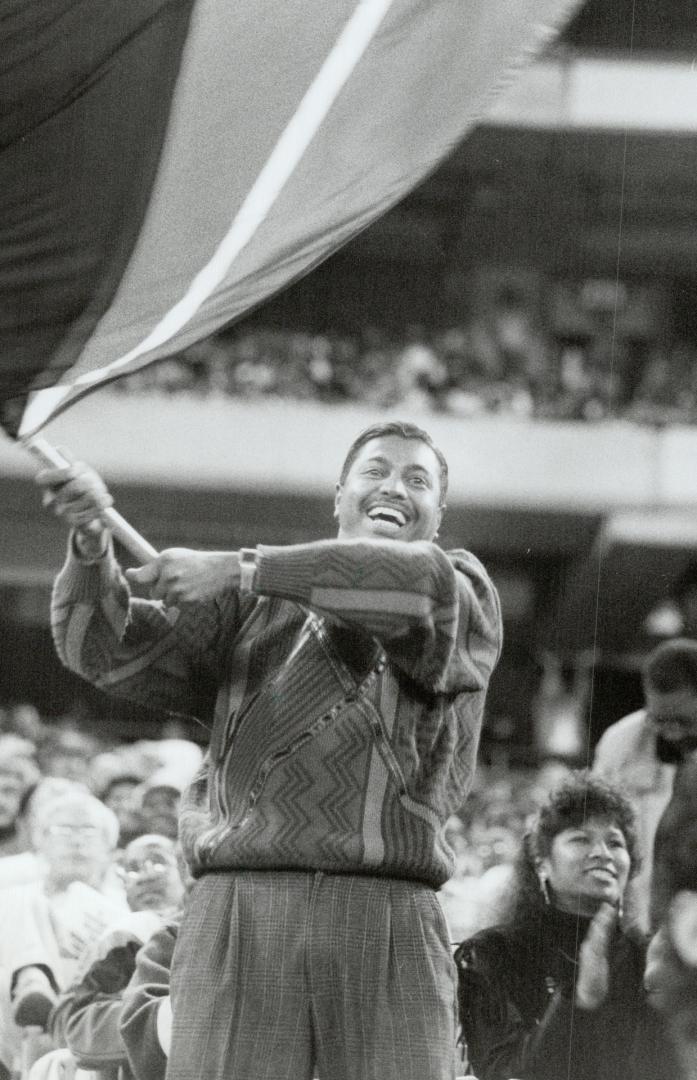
[[90, 871], [92, 884], [506, 367], [88, 835]]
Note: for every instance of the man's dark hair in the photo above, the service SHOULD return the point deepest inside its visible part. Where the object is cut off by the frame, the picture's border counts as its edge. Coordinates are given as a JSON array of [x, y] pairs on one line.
[[405, 431], [672, 666]]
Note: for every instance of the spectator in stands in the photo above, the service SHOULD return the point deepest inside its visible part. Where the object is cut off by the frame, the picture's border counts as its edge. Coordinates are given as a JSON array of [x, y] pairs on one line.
[[498, 360], [487, 847], [160, 800], [29, 865], [46, 924], [419, 373], [18, 776], [556, 990], [24, 720], [87, 1017], [640, 751], [121, 794], [67, 752]]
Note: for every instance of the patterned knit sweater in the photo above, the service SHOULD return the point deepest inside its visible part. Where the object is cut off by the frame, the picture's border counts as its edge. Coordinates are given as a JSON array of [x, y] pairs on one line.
[[345, 696]]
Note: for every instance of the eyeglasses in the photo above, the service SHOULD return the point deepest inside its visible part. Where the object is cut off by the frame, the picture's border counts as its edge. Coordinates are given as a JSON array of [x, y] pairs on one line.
[[147, 866], [64, 831]]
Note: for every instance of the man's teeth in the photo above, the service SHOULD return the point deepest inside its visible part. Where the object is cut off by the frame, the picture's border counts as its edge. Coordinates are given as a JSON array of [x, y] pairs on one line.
[[388, 513]]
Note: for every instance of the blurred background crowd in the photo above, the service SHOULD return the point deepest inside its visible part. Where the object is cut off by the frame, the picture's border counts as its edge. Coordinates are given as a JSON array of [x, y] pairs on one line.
[[504, 365], [90, 871], [78, 815], [142, 781]]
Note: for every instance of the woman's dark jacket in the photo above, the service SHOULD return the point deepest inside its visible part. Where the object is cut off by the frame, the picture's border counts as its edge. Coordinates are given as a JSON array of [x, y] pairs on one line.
[[519, 1018]]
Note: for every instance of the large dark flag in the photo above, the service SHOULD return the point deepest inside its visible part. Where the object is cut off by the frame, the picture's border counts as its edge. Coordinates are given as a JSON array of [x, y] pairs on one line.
[[166, 165]]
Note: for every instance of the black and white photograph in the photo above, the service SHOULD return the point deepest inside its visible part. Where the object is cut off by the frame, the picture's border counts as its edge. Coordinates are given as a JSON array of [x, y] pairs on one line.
[[348, 540]]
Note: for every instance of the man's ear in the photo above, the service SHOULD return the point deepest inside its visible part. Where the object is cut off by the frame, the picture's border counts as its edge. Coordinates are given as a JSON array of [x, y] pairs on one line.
[[337, 499]]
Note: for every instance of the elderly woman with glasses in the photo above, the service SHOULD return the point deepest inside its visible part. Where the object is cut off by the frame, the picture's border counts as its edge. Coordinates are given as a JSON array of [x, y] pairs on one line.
[[556, 990], [88, 1017], [46, 925]]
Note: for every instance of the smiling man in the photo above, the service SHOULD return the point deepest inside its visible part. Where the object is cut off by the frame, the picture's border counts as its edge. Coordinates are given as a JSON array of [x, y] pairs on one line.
[[344, 681]]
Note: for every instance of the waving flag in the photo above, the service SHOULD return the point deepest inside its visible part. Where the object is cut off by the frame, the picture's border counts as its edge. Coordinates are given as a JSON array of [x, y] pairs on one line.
[[166, 165]]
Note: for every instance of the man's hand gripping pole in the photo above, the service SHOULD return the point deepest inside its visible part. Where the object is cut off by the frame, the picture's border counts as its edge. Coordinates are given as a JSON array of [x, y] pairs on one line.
[[120, 528]]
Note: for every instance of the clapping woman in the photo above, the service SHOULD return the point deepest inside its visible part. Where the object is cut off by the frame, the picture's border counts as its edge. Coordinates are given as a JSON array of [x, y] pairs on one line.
[[556, 991]]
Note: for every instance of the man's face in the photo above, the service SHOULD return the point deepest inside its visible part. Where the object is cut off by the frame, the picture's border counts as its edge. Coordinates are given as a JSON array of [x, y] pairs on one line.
[[392, 492], [674, 715]]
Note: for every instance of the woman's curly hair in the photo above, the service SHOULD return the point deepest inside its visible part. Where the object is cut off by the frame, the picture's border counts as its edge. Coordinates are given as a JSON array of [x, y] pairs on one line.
[[580, 796]]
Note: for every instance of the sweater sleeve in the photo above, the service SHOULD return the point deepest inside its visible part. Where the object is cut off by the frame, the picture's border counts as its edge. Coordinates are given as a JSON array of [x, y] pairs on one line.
[[436, 615], [143, 999], [88, 1016], [132, 647]]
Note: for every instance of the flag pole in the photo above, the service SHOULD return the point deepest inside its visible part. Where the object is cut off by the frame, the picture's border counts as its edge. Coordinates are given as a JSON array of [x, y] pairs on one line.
[[120, 528]]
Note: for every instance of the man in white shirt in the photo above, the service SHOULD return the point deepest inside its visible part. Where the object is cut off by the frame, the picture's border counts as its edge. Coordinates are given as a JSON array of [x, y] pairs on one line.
[[641, 751]]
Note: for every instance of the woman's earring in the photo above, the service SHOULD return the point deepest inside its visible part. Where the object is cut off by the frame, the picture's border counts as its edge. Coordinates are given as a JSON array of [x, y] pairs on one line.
[[544, 886]]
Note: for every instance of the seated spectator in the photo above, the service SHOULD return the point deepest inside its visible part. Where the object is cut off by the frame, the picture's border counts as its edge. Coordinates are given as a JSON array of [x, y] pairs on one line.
[[87, 1017], [18, 775], [29, 866], [46, 924], [159, 803], [120, 794], [67, 753], [556, 989], [23, 720]]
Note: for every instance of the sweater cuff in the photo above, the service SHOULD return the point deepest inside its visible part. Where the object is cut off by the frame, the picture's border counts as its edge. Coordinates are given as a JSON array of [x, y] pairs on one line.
[[285, 571], [85, 579]]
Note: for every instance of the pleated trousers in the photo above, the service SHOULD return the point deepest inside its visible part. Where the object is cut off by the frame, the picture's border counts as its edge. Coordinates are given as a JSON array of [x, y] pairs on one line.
[[285, 975]]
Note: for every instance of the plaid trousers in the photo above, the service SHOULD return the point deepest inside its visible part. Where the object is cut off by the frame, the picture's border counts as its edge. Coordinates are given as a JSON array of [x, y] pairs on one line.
[[286, 975]]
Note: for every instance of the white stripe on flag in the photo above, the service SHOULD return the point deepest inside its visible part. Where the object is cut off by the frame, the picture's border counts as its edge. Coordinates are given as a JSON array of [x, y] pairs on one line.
[[302, 127]]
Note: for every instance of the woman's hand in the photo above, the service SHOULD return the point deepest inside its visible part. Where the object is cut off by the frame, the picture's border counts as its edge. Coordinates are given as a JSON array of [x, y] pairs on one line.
[[593, 979]]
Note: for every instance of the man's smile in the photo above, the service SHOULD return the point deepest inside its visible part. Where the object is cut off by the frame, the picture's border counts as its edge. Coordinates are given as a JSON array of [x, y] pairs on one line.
[[387, 518]]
